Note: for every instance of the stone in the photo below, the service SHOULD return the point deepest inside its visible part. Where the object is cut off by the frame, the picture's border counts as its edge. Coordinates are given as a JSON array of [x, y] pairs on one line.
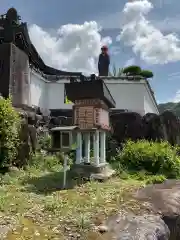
[[102, 228], [92, 172], [131, 227], [163, 221], [105, 174], [164, 199], [4, 230]]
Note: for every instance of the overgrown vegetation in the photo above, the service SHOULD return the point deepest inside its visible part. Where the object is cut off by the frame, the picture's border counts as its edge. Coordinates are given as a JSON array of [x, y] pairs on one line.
[[9, 133], [154, 158], [44, 141], [34, 199]]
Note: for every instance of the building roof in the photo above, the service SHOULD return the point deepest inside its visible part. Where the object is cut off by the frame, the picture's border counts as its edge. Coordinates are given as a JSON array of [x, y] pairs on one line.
[[16, 32]]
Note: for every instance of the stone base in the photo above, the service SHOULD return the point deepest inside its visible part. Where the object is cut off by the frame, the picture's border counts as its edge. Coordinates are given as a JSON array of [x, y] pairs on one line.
[[92, 172]]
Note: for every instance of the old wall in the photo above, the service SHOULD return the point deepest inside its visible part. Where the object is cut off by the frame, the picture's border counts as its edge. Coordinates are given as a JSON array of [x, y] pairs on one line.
[[149, 105], [130, 95], [38, 91], [14, 74], [57, 95]]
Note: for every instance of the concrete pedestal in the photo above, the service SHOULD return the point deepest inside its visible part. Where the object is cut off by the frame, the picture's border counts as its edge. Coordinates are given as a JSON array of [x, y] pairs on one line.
[[92, 172], [94, 167]]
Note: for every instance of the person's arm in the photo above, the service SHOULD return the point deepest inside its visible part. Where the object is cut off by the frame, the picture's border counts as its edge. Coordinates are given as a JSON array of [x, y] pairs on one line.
[[108, 59], [99, 62]]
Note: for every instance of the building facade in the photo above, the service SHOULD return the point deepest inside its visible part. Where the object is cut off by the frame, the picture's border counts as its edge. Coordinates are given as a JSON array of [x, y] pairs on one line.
[[30, 82], [135, 96]]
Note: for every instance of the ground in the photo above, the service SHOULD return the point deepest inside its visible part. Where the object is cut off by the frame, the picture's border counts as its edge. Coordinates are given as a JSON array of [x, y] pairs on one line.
[[33, 203]]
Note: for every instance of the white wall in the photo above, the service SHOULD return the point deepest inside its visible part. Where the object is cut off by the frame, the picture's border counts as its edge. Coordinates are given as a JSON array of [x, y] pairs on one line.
[[56, 96], [149, 105], [130, 95], [38, 90]]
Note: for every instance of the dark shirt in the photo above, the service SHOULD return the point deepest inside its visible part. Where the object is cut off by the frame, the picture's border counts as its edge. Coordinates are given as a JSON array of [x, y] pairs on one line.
[[104, 60], [103, 64]]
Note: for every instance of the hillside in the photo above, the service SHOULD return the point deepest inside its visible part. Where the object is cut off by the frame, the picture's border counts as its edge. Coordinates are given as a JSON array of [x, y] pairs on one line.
[[174, 107]]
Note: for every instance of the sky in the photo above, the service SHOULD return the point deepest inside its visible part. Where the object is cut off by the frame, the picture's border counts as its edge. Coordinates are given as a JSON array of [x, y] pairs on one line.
[[69, 34]]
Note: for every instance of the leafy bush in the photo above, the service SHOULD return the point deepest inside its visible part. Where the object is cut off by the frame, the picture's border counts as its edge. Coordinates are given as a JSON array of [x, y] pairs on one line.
[[44, 142], [9, 133], [132, 70], [45, 162], [147, 74], [152, 157], [155, 179]]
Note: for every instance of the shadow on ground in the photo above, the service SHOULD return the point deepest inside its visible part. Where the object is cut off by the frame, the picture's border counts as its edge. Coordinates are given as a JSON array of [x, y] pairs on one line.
[[51, 182]]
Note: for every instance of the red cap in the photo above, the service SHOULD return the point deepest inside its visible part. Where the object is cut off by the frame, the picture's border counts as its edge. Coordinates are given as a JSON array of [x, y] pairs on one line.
[[104, 48]]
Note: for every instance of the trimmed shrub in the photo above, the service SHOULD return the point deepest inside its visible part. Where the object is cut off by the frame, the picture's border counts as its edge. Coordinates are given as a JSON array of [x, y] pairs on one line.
[[9, 133], [153, 157]]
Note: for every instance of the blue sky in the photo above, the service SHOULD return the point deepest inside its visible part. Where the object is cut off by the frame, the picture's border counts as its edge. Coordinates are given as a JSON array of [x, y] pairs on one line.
[[50, 15]]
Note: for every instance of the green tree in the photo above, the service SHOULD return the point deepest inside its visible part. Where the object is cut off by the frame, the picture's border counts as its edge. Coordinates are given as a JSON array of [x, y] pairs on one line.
[[146, 74], [9, 133], [131, 71]]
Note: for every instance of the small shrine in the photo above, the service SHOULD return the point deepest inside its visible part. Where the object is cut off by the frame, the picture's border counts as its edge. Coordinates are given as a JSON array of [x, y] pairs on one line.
[[92, 101]]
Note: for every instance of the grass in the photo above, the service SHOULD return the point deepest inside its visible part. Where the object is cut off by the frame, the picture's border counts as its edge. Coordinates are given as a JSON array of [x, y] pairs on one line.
[[33, 202]]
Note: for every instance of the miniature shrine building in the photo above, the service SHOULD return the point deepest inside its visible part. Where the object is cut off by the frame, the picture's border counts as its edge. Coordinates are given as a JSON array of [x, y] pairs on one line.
[[32, 83]]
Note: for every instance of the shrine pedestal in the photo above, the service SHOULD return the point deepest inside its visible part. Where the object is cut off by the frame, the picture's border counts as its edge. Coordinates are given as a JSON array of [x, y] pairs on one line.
[[93, 164], [92, 101], [92, 172]]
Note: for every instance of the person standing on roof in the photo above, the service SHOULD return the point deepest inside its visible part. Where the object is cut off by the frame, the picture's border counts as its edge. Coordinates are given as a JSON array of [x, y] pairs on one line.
[[104, 62]]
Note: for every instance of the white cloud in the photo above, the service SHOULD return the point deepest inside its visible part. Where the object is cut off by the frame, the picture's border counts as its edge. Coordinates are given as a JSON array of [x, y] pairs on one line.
[[173, 76], [144, 38], [176, 97], [129, 62], [73, 47]]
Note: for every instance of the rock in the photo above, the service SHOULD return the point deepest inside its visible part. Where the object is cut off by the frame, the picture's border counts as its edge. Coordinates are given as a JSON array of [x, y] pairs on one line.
[[131, 227], [163, 202], [13, 169], [102, 228], [164, 199], [4, 230]]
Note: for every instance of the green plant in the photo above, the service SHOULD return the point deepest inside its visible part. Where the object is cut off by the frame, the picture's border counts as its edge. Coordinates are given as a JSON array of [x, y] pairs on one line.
[[9, 133], [152, 157], [146, 74], [155, 179], [45, 162], [132, 70], [44, 142]]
